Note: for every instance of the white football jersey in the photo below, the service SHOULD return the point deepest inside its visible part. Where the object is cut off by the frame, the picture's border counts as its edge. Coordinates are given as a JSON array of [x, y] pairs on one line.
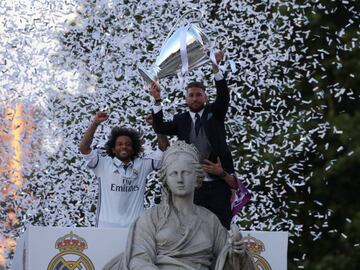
[[122, 187]]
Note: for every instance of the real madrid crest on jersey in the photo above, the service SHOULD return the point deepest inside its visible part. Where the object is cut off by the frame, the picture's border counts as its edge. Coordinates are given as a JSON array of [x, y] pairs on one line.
[[71, 256], [255, 246]]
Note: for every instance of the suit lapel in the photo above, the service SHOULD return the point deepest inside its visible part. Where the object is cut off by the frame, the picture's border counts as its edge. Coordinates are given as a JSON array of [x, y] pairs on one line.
[[187, 127], [204, 118], [188, 122], [204, 115], [205, 123]]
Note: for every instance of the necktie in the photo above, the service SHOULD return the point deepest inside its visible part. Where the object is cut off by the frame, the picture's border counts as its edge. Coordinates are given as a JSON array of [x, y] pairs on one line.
[[197, 123]]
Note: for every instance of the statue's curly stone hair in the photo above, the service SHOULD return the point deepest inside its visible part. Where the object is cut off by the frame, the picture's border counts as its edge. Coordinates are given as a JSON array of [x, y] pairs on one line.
[[182, 147], [175, 149]]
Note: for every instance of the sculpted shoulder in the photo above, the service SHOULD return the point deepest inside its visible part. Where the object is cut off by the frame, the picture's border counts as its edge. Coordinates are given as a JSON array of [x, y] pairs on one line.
[[153, 214], [207, 215]]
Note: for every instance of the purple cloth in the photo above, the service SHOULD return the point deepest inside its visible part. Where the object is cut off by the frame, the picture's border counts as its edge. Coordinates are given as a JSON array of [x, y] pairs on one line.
[[242, 197]]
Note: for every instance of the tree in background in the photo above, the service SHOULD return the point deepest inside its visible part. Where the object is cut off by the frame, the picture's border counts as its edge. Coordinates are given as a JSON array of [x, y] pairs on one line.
[[333, 62]]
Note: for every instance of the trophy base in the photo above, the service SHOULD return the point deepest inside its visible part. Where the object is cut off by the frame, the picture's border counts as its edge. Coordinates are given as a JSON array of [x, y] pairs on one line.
[[147, 76]]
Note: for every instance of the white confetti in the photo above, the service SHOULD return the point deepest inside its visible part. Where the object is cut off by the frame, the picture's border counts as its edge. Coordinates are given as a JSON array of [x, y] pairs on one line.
[[60, 61]]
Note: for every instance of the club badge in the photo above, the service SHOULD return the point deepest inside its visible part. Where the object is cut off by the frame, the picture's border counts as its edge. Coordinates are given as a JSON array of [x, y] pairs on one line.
[[71, 256], [255, 246]]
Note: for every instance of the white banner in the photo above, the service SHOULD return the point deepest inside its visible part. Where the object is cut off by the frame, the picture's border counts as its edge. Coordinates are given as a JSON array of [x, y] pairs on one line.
[[269, 249], [52, 248]]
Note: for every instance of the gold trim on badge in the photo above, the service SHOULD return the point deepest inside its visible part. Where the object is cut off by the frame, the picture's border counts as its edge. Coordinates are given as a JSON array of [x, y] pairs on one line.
[[255, 246]]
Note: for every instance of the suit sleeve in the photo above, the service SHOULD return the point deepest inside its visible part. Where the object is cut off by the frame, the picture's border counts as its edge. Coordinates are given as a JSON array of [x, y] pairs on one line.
[[161, 127], [221, 104]]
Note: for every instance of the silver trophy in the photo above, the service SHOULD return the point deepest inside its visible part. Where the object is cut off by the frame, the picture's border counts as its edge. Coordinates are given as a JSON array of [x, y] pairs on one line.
[[183, 50]]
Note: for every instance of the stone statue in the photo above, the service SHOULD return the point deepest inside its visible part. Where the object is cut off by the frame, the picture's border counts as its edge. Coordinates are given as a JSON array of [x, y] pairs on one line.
[[177, 234]]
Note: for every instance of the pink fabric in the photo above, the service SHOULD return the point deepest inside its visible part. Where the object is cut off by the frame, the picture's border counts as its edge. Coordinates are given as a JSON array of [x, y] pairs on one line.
[[242, 197]]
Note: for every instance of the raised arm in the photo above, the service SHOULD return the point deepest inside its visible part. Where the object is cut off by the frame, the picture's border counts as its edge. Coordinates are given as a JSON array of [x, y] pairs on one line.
[[219, 56], [221, 104], [162, 140], [160, 127], [86, 141]]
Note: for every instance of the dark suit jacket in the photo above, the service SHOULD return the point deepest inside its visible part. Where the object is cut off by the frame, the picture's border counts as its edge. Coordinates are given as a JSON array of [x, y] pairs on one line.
[[212, 120]]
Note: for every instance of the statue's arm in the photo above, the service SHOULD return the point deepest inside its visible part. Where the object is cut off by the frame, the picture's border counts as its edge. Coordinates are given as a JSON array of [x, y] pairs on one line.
[[230, 250], [239, 256], [143, 250], [220, 239]]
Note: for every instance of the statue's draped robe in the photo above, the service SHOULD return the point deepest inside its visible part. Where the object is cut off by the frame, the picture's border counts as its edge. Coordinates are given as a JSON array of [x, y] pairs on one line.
[[159, 242]]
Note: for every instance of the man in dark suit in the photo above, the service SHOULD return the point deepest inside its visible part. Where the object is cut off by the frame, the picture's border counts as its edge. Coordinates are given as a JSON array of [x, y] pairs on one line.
[[203, 126]]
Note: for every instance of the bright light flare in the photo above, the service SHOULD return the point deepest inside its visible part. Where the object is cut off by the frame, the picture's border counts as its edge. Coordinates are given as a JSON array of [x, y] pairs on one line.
[[15, 130]]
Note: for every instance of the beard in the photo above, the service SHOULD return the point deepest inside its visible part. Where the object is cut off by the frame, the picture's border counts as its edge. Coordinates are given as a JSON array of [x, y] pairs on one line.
[[196, 107]]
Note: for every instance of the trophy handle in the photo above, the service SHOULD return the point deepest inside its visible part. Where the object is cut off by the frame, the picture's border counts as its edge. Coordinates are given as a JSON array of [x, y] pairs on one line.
[[184, 15]]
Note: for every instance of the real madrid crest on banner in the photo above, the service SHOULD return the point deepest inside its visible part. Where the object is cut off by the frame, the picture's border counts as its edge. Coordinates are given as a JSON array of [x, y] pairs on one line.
[[255, 246], [71, 256]]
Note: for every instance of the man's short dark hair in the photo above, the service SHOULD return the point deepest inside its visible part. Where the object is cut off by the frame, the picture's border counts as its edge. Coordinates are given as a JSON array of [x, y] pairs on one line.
[[129, 132], [196, 84]]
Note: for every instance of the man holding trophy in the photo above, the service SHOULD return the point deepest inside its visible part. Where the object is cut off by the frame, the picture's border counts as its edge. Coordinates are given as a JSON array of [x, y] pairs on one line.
[[203, 126]]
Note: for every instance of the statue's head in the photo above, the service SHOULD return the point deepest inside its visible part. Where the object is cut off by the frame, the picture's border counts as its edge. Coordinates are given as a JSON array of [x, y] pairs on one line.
[[181, 171]]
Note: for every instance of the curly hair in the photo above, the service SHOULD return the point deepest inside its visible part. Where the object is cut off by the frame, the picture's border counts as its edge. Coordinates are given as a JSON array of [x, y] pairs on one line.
[[131, 133]]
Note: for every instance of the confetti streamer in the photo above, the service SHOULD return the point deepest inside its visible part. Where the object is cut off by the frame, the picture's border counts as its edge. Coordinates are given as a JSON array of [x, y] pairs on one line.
[[61, 61]]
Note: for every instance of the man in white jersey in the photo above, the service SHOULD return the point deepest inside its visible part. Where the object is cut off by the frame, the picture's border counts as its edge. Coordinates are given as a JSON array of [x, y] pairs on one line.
[[121, 172]]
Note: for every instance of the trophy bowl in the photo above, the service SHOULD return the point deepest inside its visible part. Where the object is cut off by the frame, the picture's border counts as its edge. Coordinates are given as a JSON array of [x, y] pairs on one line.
[[172, 56]]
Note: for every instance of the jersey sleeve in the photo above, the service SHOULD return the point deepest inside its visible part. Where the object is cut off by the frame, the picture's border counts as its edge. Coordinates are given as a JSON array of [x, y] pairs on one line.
[[155, 158], [94, 161]]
